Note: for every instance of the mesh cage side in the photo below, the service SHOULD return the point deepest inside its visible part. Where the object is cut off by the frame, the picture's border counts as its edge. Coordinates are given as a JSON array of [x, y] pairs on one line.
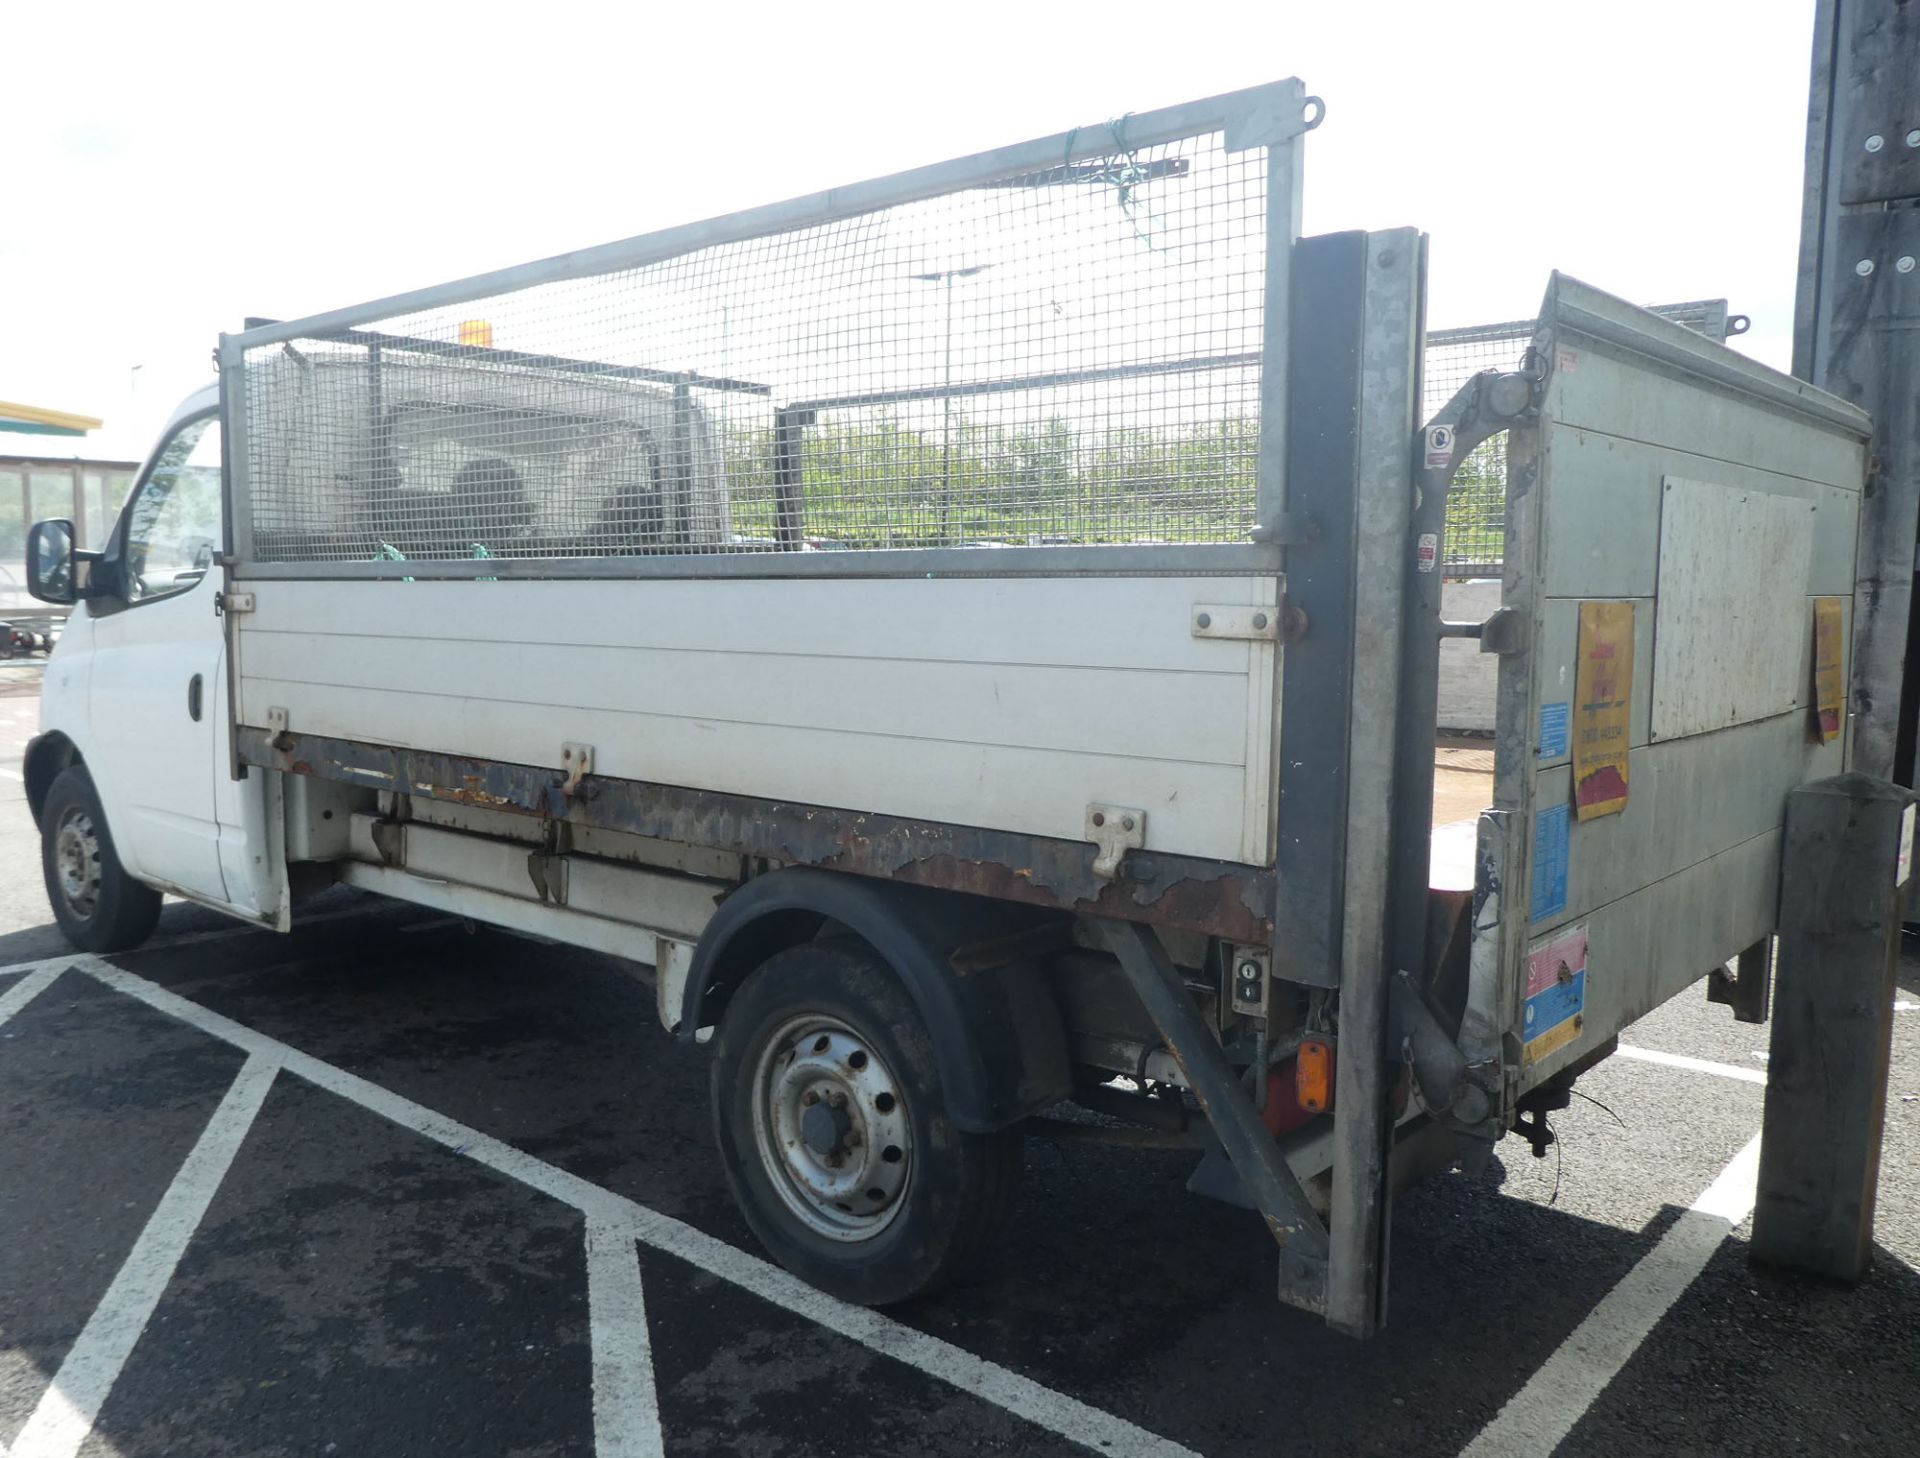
[[1070, 356]]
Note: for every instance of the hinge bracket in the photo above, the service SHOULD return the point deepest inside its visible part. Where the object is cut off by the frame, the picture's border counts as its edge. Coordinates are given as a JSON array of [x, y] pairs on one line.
[[1504, 633], [1257, 624], [576, 762], [1114, 830]]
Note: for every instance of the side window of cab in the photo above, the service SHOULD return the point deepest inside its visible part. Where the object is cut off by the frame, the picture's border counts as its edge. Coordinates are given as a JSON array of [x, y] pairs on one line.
[[173, 521]]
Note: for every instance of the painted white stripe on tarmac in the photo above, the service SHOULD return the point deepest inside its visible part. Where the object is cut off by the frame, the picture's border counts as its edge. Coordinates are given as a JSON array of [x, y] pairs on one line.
[[1693, 1065], [1557, 1396], [65, 1414], [83, 961], [25, 991], [626, 1405], [1070, 1418]]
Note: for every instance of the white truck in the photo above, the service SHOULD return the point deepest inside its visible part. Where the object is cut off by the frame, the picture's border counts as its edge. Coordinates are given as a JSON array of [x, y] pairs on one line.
[[972, 636]]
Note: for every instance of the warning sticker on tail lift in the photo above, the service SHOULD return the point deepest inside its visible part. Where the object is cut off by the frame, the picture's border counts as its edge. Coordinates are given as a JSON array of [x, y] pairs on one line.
[[1602, 708], [1556, 993]]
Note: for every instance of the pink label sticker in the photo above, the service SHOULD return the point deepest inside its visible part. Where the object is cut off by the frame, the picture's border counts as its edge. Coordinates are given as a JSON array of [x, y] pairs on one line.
[[1558, 961]]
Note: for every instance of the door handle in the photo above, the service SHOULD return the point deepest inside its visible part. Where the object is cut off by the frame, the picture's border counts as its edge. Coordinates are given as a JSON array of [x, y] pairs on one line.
[[193, 698]]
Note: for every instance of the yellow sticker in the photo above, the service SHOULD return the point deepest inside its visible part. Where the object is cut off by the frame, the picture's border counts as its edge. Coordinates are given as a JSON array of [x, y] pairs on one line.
[[1602, 707], [1829, 677]]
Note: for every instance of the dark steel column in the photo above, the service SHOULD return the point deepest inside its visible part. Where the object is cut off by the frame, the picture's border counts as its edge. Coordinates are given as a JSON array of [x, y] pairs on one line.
[[1353, 407], [1857, 329]]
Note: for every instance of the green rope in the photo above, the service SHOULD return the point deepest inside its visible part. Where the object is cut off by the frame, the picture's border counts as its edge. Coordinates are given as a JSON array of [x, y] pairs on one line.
[[387, 552], [1122, 177]]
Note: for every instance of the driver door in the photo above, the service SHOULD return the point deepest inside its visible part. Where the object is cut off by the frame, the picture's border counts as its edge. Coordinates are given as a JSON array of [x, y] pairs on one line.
[[158, 656]]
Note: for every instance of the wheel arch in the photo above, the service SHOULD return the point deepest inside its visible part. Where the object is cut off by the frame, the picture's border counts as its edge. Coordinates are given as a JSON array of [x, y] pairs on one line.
[[996, 1030], [47, 754]]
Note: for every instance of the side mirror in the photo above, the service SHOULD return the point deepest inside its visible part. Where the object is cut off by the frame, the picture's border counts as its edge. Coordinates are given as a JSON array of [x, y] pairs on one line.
[[56, 572]]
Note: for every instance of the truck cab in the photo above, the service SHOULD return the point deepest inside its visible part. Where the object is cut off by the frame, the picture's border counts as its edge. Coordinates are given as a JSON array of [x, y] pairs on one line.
[[134, 709]]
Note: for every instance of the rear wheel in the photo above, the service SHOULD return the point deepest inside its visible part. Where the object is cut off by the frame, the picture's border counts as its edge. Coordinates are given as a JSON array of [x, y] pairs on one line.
[[99, 907], [834, 1131]]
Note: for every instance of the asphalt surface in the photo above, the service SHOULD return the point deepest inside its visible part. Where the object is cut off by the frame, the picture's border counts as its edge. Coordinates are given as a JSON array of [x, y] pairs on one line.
[[397, 1258]]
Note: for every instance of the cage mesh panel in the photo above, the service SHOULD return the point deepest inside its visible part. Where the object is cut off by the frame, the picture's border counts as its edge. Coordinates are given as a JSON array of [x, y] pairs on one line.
[[1066, 357], [1475, 541]]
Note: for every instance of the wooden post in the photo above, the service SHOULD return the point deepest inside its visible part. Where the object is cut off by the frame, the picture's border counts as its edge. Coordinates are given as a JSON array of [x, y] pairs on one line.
[[1846, 863]]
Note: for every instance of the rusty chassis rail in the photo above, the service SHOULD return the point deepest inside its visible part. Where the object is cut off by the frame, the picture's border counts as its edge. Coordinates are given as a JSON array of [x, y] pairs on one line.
[[1217, 898]]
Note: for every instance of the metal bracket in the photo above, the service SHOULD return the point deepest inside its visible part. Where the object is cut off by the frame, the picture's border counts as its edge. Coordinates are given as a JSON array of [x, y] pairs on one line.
[[225, 603], [1749, 992], [1114, 830], [1269, 116], [1504, 633], [390, 840], [576, 762], [548, 872], [1256, 624], [278, 731], [1271, 1182]]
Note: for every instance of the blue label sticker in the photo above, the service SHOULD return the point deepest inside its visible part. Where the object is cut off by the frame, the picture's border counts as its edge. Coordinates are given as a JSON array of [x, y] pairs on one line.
[[1550, 1017], [1550, 862], [1560, 1001], [1556, 993], [1555, 722]]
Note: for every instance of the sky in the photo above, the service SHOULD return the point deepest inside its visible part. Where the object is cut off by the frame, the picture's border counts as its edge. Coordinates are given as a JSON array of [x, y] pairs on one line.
[[171, 170]]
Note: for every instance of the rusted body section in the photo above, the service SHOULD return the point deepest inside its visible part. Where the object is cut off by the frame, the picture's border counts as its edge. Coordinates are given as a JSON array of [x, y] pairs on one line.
[[1220, 898]]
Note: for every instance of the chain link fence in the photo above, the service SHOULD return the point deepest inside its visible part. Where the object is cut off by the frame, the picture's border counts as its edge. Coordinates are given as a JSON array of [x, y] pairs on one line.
[[1475, 543]]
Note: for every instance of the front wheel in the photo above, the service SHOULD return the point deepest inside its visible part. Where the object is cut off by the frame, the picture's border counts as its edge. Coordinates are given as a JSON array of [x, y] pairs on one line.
[[99, 907], [834, 1131]]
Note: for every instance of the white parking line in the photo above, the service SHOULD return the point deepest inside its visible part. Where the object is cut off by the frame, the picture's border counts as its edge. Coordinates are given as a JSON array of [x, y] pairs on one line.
[[1558, 1395], [60, 963], [1693, 1065], [64, 1416], [25, 991], [1058, 1413], [626, 1407]]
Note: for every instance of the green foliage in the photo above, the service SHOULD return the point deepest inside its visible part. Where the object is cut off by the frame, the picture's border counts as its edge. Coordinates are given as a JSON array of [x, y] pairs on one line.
[[880, 483], [1477, 508]]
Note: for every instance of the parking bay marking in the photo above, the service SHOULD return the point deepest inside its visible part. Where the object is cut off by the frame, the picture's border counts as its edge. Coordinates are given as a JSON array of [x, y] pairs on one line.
[[1537, 1417], [626, 1406], [622, 1408], [64, 1415], [25, 991], [1693, 1065], [54, 966]]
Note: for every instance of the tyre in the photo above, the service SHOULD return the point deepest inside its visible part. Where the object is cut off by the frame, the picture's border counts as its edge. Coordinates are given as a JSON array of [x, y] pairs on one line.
[[98, 905], [834, 1132]]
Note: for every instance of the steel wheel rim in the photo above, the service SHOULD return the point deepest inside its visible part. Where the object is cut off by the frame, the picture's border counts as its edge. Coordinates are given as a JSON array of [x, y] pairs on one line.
[[76, 860], [830, 1128]]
